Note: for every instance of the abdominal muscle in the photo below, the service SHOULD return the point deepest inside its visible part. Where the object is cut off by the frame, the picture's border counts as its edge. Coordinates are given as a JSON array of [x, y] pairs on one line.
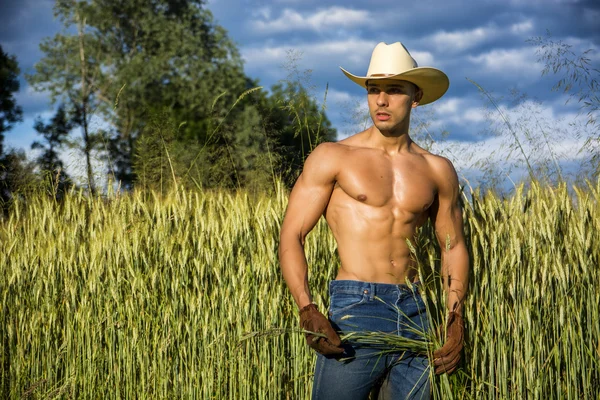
[[372, 242]]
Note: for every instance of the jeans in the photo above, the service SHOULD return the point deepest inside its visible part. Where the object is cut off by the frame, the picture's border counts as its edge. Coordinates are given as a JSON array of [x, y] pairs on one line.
[[376, 307]]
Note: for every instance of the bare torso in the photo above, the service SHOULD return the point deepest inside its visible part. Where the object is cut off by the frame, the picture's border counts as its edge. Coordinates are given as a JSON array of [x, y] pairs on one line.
[[375, 189], [377, 203]]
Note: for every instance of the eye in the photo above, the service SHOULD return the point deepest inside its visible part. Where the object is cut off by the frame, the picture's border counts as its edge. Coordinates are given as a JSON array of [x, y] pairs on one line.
[[372, 90], [395, 90]]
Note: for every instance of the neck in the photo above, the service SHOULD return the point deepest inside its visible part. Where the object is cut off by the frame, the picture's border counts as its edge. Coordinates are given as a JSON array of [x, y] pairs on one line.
[[389, 142]]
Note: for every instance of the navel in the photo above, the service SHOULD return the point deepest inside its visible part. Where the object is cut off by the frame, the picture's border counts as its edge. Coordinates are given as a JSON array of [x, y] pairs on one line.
[[362, 197]]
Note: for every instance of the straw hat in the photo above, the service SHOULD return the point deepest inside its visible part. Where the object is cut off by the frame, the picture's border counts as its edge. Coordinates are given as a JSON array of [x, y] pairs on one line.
[[393, 61]]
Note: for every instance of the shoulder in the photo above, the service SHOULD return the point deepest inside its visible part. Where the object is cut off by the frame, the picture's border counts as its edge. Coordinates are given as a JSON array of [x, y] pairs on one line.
[[440, 164], [326, 149], [443, 172], [327, 152], [323, 162]]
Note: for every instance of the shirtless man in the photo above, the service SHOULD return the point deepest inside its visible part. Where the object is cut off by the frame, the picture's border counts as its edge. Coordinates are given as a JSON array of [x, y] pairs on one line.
[[375, 189]]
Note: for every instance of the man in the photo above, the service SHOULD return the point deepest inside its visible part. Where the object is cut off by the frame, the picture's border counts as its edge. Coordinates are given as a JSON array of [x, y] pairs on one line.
[[375, 189]]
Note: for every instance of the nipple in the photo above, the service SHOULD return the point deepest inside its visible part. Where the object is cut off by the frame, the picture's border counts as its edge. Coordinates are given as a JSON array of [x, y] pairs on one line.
[[362, 197]]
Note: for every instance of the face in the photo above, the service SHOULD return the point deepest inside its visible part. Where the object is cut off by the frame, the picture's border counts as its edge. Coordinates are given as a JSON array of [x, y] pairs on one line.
[[390, 102]]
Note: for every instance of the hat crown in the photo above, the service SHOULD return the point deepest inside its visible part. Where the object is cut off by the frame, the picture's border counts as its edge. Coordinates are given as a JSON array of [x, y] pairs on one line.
[[390, 59], [395, 62]]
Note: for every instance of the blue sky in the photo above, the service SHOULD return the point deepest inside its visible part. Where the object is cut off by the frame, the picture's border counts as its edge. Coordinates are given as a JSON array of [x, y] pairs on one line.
[[484, 41]]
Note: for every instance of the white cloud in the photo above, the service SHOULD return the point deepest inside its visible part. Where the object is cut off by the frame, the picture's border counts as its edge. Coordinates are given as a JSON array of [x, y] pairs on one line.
[[424, 58], [542, 132], [473, 115], [338, 96], [521, 27], [519, 63], [320, 20], [351, 54], [448, 105], [491, 150], [262, 12], [30, 98], [348, 53], [462, 40], [458, 113], [579, 45]]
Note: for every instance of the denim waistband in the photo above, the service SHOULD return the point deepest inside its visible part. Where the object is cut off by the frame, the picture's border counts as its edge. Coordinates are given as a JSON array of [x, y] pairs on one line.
[[372, 288]]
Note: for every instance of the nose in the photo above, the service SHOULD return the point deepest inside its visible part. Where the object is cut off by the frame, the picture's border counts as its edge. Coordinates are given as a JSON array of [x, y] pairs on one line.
[[382, 99]]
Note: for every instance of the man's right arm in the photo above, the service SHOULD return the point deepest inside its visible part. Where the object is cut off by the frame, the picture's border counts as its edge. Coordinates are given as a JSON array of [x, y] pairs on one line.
[[308, 200]]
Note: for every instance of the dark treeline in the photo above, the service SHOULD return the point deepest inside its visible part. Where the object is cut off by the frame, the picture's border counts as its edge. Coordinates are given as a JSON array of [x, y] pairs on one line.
[[168, 85]]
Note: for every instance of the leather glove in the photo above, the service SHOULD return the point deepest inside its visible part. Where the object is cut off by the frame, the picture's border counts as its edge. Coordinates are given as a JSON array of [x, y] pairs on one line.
[[312, 320], [446, 358]]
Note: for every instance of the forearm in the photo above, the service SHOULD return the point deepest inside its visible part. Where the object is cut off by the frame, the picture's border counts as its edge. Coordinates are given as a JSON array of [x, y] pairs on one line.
[[455, 275], [294, 268]]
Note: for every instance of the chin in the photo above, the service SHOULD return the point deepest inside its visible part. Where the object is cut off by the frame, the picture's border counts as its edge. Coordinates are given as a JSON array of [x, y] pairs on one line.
[[384, 125]]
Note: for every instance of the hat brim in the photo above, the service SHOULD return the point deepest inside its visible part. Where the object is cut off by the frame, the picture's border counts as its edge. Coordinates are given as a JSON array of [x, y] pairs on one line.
[[432, 81]]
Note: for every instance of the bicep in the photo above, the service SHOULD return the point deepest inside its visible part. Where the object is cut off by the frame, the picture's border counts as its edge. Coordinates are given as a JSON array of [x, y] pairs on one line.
[[310, 195], [447, 213]]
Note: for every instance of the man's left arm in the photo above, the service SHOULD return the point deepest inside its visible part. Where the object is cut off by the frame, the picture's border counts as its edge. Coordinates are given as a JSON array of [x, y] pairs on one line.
[[447, 219]]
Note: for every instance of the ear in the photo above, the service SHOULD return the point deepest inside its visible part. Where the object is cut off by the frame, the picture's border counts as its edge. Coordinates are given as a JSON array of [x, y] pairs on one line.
[[417, 97]]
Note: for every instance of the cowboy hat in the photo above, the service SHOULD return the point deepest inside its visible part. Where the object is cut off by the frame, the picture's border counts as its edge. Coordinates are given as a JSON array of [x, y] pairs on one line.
[[393, 61]]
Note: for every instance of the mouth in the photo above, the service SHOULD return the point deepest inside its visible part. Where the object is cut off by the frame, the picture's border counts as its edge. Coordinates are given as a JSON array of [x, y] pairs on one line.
[[382, 116]]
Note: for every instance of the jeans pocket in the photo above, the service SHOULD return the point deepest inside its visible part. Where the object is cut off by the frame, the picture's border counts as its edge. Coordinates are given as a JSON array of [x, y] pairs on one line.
[[342, 302]]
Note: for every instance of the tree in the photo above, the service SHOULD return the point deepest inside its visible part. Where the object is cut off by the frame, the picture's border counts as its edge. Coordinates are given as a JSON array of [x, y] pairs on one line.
[[297, 125], [162, 55], [14, 168], [71, 71], [133, 60], [54, 135], [10, 112], [17, 177]]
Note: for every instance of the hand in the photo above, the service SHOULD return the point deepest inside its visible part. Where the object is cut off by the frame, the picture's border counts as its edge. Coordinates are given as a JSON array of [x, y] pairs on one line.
[[446, 358], [312, 320]]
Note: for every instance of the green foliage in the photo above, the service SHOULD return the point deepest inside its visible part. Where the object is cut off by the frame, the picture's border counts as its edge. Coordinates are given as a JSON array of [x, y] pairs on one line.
[[17, 178], [143, 295], [72, 71], [10, 112], [153, 163], [162, 55], [258, 140], [133, 62], [54, 135], [295, 121], [235, 154], [14, 169]]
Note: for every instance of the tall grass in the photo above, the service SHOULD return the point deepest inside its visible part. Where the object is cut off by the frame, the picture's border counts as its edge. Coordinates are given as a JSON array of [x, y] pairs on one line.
[[143, 296]]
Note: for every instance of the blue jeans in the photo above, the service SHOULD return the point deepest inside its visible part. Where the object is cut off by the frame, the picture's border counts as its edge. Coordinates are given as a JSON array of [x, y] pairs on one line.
[[377, 307]]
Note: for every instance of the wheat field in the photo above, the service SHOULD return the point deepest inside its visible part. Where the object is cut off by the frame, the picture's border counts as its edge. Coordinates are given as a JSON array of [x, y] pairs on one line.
[[180, 295]]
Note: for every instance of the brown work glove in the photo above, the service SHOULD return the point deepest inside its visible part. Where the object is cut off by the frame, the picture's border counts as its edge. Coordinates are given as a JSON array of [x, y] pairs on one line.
[[312, 320], [446, 358]]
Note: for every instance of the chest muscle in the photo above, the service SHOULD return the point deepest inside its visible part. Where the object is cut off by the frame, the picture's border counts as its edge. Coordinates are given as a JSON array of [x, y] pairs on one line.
[[403, 185]]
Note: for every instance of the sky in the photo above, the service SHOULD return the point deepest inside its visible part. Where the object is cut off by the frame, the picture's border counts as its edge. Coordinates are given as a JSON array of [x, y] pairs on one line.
[[481, 41]]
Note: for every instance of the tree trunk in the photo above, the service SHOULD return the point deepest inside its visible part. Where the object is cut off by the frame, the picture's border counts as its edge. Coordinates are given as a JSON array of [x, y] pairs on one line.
[[87, 147]]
